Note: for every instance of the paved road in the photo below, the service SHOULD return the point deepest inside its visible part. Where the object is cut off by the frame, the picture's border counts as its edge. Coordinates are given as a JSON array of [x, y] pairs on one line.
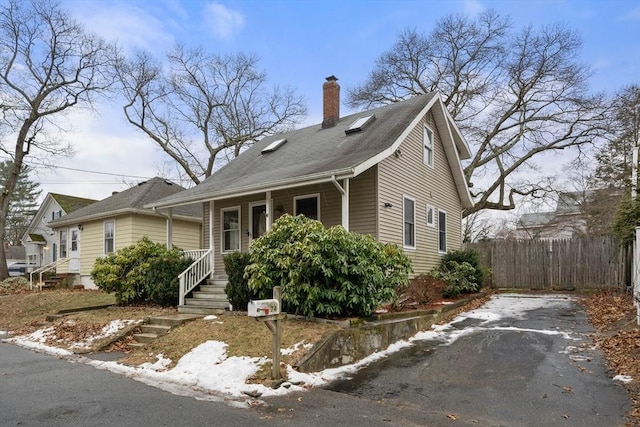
[[537, 369], [38, 389]]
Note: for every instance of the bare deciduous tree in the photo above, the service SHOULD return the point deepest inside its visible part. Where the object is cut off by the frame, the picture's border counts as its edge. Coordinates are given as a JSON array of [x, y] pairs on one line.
[[515, 96], [201, 108], [48, 65]]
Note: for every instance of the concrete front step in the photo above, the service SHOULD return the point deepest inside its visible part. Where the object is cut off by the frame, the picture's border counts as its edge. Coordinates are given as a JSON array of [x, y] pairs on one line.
[[145, 338], [221, 283], [158, 326], [158, 330], [211, 288], [214, 296], [172, 320], [205, 302], [192, 309]]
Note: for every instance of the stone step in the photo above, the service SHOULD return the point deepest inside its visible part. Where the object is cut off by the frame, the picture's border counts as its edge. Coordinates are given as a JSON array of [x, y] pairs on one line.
[[202, 302], [155, 329], [173, 320], [209, 295], [145, 338], [217, 282], [211, 288], [200, 310], [136, 345]]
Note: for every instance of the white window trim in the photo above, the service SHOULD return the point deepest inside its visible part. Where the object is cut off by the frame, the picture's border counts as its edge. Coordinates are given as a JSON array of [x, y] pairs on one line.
[[425, 138], [66, 243], [431, 208], [104, 236], [440, 251], [404, 245], [307, 196], [251, 206], [222, 211]]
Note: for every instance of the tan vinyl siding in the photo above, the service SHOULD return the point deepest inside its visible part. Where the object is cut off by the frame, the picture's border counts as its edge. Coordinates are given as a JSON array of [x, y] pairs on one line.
[[205, 225], [91, 245], [282, 202], [363, 203], [123, 232], [186, 235], [129, 229], [407, 175]]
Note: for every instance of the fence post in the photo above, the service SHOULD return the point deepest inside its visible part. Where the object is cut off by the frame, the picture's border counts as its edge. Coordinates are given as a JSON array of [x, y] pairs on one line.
[[635, 277]]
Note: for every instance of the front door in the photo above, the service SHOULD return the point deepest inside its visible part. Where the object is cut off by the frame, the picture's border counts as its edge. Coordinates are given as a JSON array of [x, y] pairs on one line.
[[257, 219], [74, 250]]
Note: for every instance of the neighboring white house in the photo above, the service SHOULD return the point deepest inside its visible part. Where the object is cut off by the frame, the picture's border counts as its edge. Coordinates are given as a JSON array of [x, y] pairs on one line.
[[565, 222], [39, 240]]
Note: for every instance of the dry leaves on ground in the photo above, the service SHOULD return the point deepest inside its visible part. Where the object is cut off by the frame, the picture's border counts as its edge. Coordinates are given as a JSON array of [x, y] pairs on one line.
[[614, 317]]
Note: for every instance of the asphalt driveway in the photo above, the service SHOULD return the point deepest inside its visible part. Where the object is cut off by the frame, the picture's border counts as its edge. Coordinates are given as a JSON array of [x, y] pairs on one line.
[[518, 361]]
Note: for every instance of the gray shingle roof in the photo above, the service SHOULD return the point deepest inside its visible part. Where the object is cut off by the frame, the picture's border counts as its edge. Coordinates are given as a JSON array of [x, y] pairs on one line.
[[131, 200], [537, 219], [71, 203], [310, 153]]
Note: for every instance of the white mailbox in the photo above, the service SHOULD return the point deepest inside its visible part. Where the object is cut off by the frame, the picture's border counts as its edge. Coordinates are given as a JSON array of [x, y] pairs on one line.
[[263, 307]]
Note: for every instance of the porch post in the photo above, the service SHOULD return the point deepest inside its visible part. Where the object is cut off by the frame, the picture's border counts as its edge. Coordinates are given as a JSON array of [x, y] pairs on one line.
[[170, 228], [211, 243], [344, 191], [345, 204], [268, 210]]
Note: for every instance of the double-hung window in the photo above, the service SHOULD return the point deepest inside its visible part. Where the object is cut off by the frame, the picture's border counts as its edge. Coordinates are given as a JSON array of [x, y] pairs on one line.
[[428, 147], [409, 222], [308, 206], [109, 236], [442, 231], [231, 229], [63, 243]]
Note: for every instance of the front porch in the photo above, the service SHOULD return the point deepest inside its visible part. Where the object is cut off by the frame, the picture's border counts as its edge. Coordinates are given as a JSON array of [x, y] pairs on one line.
[[242, 219]]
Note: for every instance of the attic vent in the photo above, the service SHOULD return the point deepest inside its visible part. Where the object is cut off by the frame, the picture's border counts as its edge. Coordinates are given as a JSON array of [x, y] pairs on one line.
[[273, 146], [360, 124]]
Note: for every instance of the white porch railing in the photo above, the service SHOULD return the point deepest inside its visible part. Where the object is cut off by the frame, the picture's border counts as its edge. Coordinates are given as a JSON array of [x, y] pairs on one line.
[[195, 253], [196, 273], [40, 271]]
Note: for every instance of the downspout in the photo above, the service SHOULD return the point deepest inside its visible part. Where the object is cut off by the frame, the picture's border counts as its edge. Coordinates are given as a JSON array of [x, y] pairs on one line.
[[169, 230], [344, 191]]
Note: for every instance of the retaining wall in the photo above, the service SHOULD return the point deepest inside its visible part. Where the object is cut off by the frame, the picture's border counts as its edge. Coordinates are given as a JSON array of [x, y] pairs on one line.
[[345, 346]]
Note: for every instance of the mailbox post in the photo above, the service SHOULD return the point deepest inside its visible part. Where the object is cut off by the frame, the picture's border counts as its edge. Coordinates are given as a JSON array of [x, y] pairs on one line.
[[268, 312]]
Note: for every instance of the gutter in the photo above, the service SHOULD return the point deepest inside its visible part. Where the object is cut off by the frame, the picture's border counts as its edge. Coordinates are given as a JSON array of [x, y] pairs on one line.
[[278, 185]]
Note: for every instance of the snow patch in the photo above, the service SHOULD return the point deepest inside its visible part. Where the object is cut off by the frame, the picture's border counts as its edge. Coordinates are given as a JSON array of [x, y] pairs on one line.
[[623, 378]]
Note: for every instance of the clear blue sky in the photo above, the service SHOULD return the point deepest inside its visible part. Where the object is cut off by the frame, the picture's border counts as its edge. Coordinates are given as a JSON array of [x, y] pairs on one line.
[[299, 43]]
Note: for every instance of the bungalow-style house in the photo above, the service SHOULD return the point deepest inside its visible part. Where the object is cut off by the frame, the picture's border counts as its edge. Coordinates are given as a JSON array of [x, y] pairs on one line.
[[392, 172], [119, 221], [39, 240]]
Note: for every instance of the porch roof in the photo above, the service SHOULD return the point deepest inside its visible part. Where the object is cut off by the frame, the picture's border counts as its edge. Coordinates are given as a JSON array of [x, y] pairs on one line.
[[313, 154]]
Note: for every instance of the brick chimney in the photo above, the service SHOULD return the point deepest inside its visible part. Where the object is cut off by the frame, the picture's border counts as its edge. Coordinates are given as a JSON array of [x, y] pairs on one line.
[[330, 102]]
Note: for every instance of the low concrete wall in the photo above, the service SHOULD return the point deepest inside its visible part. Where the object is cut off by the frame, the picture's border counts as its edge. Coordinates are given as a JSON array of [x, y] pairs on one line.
[[346, 346]]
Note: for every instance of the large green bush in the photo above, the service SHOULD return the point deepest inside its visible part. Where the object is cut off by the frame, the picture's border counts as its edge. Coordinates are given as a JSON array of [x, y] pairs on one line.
[[459, 279], [237, 289], [144, 272], [325, 271], [461, 256]]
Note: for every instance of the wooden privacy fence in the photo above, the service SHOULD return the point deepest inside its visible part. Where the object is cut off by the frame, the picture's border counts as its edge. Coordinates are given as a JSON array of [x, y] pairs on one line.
[[583, 263]]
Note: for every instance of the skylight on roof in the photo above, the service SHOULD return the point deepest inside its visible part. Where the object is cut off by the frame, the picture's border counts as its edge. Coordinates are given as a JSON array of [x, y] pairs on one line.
[[359, 124], [273, 146]]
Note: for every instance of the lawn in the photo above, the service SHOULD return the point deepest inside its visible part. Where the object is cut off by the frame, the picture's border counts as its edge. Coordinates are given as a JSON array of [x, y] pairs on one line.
[[26, 311]]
